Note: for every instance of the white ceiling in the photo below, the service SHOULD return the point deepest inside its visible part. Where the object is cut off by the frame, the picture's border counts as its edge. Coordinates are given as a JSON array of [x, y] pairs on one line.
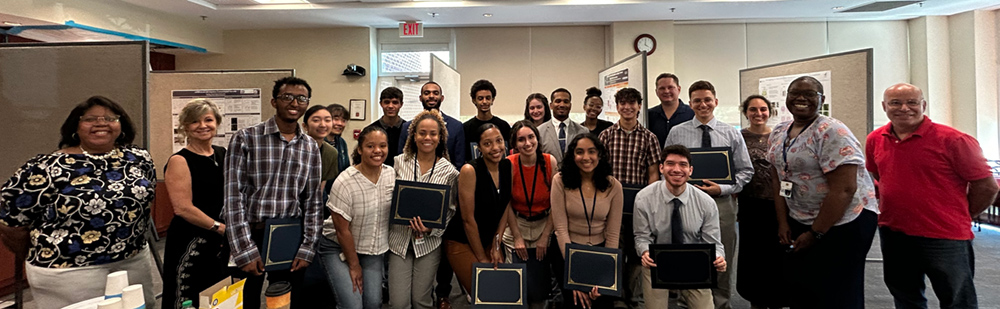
[[245, 14]]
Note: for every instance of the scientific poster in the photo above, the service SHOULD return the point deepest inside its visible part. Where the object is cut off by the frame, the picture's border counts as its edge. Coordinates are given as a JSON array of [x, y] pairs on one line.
[[240, 108], [628, 73], [775, 89]]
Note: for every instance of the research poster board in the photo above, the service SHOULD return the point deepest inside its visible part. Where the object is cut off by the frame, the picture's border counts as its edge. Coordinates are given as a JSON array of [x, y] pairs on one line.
[[849, 89], [451, 83], [240, 109], [163, 84], [775, 89], [627, 73]]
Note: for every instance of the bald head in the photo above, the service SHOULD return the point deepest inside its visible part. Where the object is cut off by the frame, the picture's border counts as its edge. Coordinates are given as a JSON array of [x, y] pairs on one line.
[[904, 104], [902, 88]]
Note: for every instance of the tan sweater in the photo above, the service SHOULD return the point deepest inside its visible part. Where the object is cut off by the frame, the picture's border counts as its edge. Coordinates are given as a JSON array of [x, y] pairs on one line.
[[571, 223]]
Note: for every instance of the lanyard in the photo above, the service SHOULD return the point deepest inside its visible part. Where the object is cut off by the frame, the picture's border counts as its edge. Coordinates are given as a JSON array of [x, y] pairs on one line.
[[534, 181], [415, 169], [593, 208], [789, 142]]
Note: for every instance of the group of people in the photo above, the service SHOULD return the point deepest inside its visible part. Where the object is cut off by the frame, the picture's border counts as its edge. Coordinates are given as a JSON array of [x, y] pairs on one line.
[[804, 194]]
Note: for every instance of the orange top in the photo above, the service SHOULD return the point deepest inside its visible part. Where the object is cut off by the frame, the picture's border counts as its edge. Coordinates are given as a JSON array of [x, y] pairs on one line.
[[535, 179]]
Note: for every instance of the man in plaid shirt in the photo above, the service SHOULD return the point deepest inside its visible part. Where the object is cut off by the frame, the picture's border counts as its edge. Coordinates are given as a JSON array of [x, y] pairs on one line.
[[272, 171], [634, 154]]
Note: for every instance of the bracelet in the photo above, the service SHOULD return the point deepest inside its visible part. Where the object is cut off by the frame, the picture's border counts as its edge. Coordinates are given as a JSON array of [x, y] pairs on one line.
[[215, 226]]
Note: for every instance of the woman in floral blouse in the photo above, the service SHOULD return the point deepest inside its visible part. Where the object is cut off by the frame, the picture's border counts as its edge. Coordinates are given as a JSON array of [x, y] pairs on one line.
[[86, 207]]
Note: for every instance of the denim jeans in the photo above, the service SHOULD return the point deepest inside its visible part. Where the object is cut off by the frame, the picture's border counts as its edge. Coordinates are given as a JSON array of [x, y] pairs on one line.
[[338, 273], [948, 263]]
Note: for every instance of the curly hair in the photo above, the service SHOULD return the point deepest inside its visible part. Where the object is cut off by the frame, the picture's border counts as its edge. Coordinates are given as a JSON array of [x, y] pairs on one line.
[[571, 172], [411, 143]]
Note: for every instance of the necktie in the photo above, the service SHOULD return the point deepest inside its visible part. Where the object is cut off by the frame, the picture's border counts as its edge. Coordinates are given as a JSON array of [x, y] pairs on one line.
[[562, 136], [676, 230], [706, 139]]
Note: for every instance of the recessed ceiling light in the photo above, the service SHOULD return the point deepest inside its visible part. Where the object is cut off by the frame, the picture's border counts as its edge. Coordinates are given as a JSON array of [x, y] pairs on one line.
[[487, 15], [280, 1], [838, 8], [11, 23]]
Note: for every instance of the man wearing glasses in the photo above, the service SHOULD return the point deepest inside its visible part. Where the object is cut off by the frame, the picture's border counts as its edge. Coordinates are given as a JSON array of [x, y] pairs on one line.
[[272, 171], [930, 233], [706, 131]]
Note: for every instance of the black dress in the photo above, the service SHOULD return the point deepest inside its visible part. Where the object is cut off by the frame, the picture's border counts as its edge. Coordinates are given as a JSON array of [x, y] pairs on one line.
[[491, 202], [760, 279], [196, 258]]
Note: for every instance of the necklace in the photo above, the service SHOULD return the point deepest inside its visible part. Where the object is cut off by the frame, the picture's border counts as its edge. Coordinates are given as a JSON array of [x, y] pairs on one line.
[[98, 157]]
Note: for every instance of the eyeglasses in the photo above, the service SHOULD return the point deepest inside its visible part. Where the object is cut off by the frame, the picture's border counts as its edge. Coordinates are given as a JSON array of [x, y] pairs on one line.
[[898, 104], [287, 98], [96, 119], [804, 93]]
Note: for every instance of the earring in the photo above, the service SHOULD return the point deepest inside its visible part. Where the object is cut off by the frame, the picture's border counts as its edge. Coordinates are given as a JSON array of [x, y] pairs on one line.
[[74, 136]]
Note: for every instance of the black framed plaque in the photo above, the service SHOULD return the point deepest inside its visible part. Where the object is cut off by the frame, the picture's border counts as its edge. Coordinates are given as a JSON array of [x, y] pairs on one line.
[[712, 163], [411, 199], [504, 287], [590, 266], [282, 238], [683, 266]]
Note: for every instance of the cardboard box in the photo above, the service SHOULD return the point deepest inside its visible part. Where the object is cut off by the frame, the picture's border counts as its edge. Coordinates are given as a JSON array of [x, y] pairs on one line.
[[225, 294]]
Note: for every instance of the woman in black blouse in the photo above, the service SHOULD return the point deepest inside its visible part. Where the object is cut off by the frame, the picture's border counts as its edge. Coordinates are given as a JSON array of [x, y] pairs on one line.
[[86, 207], [483, 196], [195, 257], [593, 104]]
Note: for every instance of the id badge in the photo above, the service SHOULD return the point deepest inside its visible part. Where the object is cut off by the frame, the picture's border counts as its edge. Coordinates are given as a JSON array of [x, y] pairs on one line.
[[786, 189]]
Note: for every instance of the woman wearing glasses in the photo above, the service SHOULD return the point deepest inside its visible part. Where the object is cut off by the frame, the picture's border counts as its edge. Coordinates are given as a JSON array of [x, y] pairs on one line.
[[586, 208], [195, 255], [825, 202], [86, 207]]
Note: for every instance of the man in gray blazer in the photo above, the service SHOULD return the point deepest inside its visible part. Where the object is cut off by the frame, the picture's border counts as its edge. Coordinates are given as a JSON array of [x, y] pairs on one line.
[[560, 130]]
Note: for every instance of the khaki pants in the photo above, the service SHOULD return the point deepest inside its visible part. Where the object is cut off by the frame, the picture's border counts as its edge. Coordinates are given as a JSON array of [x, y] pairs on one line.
[[411, 279], [659, 298]]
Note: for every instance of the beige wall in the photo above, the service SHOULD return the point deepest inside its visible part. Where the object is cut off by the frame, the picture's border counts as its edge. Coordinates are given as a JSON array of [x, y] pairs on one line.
[[623, 36], [318, 56], [122, 17], [717, 52], [524, 60]]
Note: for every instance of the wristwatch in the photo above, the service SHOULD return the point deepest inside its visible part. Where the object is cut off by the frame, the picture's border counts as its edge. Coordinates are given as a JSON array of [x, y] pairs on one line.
[[215, 226], [816, 234]]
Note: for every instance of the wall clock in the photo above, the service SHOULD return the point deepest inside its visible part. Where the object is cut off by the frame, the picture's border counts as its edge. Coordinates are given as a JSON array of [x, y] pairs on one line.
[[644, 43]]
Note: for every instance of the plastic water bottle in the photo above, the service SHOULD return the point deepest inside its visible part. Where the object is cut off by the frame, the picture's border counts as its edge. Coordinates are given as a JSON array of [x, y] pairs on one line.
[[188, 304]]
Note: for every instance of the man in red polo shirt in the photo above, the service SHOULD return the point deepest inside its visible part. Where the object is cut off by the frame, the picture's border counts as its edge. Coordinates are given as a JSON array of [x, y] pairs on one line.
[[933, 179]]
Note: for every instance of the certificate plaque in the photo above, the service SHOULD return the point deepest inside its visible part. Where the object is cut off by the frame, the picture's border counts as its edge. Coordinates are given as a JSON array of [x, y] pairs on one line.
[[411, 199], [590, 266], [683, 266], [282, 238], [504, 287], [713, 163], [628, 198]]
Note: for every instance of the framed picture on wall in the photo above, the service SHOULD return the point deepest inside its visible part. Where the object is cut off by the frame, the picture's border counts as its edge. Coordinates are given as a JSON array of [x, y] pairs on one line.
[[358, 109]]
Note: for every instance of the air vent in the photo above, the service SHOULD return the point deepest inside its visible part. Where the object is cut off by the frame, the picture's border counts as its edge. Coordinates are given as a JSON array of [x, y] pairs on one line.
[[879, 6]]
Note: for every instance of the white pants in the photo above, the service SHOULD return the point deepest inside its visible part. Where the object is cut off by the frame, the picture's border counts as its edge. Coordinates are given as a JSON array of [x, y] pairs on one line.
[[60, 287]]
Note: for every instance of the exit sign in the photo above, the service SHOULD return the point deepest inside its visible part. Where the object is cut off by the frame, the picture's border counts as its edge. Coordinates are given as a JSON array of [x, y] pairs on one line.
[[411, 29]]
